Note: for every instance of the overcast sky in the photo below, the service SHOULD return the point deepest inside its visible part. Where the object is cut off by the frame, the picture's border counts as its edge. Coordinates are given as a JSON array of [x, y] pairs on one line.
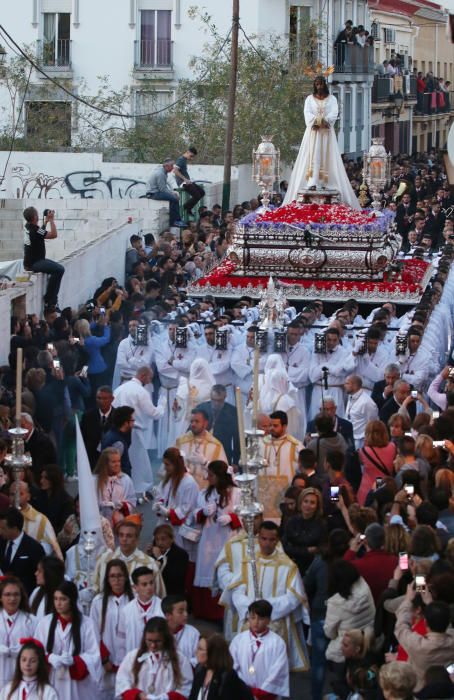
[[449, 4]]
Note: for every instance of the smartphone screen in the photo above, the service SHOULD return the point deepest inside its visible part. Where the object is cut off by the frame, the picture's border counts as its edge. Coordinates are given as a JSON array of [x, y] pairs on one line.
[[450, 668], [420, 582], [334, 493], [379, 482], [56, 364], [409, 489], [403, 561]]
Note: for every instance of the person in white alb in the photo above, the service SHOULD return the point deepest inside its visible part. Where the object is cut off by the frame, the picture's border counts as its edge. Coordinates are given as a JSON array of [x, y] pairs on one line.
[[371, 357], [415, 367], [135, 615], [260, 655], [242, 363], [172, 363], [339, 362], [15, 623], [297, 360], [36, 524], [134, 395], [131, 356], [30, 679], [218, 359], [360, 408], [175, 609], [279, 449]]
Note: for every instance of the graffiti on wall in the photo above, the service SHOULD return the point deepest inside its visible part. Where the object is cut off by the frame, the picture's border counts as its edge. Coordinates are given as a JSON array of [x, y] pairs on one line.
[[86, 184], [90, 184]]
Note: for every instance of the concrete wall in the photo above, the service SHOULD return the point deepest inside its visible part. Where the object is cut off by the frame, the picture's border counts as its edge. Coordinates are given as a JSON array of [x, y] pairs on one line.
[[79, 222]]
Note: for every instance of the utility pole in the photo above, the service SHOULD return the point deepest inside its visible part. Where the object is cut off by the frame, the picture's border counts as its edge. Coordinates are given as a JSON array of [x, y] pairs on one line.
[[231, 106]]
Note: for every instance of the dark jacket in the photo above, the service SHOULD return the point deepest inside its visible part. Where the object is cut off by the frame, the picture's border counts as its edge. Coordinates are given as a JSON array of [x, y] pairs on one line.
[[223, 686], [390, 407], [377, 393], [92, 432], [112, 439], [56, 506], [300, 534], [316, 587], [25, 561], [225, 429], [344, 427], [42, 451], [173, 570]]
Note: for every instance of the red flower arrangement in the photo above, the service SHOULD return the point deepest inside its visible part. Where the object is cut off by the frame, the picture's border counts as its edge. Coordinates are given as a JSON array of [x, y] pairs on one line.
[[295, 213]]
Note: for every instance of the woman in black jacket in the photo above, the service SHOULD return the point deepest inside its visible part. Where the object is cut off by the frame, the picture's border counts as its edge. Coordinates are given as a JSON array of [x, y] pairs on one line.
[[305, 533], [217, 680]]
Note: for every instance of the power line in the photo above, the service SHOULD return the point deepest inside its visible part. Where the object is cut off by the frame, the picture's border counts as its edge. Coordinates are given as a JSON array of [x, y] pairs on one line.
[[108, 112], [13, 138]]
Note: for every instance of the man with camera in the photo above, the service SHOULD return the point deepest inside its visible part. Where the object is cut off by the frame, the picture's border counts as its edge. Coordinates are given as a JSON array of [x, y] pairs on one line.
[[35, 251]]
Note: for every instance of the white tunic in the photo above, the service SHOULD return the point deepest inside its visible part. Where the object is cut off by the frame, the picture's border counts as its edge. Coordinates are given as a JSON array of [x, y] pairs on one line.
[[186, 641], [133, 394], [319, 160], [261, 662], [41, 611], [118, 492], [133, 619], [297, 360], [32, 692], [13, 628], [182, 503], [110, 637], [214, 535], [340, 364], [60, 679], [155, 676], [129, 358], [220, 366]]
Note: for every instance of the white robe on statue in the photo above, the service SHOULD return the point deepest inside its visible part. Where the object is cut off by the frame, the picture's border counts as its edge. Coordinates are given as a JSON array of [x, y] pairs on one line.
[[261, 662], [32, 692], [319, 160], [89, 653], [155, 676], [110, 638], [21, 625]]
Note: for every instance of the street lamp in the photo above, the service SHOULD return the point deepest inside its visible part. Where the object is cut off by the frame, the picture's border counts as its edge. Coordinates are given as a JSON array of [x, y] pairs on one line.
[[265, 168], [398, 100], [376, 170]]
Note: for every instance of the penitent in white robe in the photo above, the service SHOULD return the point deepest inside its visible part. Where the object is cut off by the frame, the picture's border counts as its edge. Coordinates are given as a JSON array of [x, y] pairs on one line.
[[261, 662], [133, 619], [319, 160], [155, 676], [89, 653], [280, 583], [22, 625], [113, 642], [32, 692]]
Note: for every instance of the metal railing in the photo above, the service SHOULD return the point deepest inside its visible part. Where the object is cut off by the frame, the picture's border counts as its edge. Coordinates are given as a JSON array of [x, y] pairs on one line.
[[157, 55], [351, 58], [386, 86], [55, 54]]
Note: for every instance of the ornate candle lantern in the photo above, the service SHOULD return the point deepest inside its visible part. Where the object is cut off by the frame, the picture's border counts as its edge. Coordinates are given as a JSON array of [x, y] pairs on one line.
[[376, 170], [265, 168]]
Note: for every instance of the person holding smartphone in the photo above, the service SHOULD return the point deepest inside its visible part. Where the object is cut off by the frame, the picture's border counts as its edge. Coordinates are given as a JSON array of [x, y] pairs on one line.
[[35, 251]]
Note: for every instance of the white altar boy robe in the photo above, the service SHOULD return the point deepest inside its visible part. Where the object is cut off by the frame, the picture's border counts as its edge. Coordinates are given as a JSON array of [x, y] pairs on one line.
[[31, 692], [13, 628], [186, 641], [60, 679], [110, 637], [261, 662], [133, 619], [181, 504], [155, 675]]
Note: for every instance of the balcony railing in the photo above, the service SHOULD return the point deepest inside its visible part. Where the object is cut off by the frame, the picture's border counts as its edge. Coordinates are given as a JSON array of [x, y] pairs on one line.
[[154, 55], [350, 58], [385, 87], [55, 54]]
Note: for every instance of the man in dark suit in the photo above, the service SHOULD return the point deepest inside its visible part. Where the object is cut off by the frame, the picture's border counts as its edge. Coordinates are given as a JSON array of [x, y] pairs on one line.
[[223, 422], [383, 390], [119, 435], [341, 425], [38, 444], [97, 421], [405, 213], [19, 553], [401, 392]]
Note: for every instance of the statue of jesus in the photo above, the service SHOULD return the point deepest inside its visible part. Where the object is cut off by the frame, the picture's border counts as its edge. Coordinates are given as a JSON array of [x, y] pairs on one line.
[[319, 164]]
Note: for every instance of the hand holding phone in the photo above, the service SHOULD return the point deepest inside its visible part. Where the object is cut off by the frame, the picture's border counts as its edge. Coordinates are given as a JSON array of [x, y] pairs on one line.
[[403, 561]]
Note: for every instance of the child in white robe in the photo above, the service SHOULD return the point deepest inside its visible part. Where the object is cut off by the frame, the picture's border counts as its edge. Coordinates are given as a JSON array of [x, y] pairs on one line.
[[31, 677], [70, 641], [163, 672], [260, 655], [105, 613], [49, 573], [136, 614], [175, 609], [15, 623]]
